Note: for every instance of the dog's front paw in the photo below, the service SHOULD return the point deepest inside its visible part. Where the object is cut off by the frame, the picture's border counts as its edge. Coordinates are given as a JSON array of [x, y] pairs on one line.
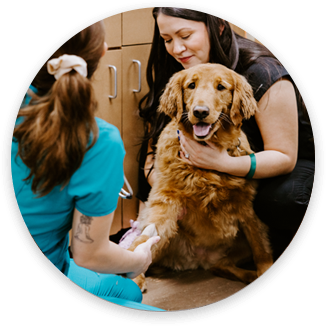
[[141, 282]]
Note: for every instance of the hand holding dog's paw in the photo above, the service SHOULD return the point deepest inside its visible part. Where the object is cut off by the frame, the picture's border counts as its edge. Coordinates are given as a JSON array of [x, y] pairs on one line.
[[144, 256]]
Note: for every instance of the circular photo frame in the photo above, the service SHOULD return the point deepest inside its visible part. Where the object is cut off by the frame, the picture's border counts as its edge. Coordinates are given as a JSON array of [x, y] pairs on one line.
[[187, 294]]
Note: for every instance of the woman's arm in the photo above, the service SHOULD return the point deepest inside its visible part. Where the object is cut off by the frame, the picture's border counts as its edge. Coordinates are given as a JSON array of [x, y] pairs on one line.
[[93, 250], [278, 124]]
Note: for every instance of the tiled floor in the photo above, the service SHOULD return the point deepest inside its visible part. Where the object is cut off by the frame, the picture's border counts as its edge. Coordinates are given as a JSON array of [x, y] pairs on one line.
[[186, 290]]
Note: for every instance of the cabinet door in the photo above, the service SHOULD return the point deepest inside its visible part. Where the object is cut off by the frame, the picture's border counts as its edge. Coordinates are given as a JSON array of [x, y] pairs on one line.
[[107, 79], [137, 26], [132, 127], [113, 31]]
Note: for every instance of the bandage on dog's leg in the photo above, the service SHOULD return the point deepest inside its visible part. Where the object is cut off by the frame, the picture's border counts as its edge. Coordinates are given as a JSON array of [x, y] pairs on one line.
[[150, 230], [141, 239]]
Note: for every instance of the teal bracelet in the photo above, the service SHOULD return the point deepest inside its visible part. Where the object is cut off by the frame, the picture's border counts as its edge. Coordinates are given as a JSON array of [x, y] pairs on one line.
[[252, 166]]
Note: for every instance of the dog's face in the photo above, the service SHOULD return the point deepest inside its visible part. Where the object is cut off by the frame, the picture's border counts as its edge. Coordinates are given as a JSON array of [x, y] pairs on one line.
[[205, 96]]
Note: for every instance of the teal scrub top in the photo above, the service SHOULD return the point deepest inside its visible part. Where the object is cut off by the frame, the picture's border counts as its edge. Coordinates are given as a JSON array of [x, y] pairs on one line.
[[93, 190]]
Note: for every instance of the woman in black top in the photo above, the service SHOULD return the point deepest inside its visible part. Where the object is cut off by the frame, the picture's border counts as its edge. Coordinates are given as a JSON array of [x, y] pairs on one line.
[[280, 133]]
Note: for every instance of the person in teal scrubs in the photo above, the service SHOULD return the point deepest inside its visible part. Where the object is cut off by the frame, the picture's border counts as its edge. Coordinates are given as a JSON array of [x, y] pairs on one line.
[[67, 170]]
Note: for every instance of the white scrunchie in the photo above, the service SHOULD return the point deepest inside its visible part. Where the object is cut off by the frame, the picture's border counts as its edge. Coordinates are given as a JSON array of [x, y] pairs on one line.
[[66, 63]]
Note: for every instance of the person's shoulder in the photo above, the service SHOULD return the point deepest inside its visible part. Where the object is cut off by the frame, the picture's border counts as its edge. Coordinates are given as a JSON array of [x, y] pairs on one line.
[[107, 131], [108, 145], [267, 67], [108, 141], [263, 73], [105, 126]]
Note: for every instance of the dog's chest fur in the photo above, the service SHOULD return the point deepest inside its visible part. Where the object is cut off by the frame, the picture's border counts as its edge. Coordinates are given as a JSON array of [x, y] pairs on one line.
[[213, 201], [203, 190]]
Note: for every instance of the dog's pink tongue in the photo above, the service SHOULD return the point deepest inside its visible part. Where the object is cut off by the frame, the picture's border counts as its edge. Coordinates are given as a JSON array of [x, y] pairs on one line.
[[201, 129]]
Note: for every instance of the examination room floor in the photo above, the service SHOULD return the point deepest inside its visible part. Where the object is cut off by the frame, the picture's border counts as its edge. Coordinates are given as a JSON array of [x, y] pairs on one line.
[[187, 290], [171, 291]]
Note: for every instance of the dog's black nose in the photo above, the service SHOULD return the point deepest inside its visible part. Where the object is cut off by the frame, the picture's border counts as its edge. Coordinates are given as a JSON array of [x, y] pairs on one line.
[[201, 112]]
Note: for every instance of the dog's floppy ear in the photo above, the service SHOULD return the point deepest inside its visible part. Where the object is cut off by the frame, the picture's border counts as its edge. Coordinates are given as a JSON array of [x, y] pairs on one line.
[[171, 101], [244, 104]]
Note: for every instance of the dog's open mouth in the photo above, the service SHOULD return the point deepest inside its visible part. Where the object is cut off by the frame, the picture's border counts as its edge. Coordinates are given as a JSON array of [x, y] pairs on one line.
[[202, 129]]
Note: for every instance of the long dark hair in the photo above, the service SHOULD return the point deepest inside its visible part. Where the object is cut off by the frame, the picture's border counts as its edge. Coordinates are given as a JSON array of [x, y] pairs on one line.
[[229, 49], [58, 125]]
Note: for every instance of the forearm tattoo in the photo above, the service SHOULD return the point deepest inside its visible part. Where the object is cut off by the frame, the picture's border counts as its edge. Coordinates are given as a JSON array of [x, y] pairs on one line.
[[83, 228]]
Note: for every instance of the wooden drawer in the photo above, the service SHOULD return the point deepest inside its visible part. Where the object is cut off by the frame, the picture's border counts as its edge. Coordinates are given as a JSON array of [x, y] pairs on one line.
[[137, 27], [113, 34]]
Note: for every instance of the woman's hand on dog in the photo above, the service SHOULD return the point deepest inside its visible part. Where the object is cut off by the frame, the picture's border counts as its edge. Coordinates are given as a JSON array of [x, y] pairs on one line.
[[208, 157], [144, 256]]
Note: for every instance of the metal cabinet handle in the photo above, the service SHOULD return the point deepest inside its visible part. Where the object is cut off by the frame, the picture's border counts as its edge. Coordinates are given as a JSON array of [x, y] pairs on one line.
[[139, 76], [115, 82]]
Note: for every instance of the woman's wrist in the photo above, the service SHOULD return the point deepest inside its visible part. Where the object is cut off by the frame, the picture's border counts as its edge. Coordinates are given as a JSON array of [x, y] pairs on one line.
[[234, 165], [252, 169], [224, 163]]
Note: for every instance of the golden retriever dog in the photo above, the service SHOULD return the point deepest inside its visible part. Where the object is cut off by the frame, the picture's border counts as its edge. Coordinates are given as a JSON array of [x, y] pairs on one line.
[[205, 102]]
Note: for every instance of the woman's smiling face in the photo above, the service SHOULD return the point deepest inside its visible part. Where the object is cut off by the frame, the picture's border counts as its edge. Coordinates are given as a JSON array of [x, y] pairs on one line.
[[185, 40]]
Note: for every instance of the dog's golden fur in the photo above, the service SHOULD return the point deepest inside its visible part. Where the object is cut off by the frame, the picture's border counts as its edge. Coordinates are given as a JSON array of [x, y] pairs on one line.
[[219, 206]]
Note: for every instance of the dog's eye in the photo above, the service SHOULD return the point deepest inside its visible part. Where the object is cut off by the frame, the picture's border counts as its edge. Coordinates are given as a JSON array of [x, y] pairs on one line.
[[192, 85], [220, 87]]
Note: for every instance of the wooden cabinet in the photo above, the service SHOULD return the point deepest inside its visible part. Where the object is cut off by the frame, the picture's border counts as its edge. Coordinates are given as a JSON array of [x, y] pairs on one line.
[[108, 88], [137, 27], [120, 83], [134, 88], [113, 35]]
